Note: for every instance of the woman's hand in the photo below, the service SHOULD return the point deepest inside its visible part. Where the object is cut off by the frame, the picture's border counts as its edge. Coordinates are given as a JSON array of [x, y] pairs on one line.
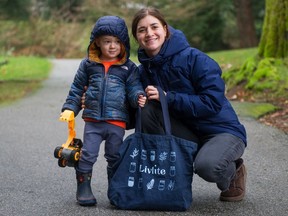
[[152, 93], [142, 100]]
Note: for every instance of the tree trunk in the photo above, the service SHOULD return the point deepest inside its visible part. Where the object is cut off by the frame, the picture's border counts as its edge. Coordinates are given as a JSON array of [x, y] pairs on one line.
[[274, 38], [245, 23]]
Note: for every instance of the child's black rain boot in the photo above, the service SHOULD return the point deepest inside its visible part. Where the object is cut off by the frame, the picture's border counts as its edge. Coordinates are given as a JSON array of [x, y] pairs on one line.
[[84, 194]]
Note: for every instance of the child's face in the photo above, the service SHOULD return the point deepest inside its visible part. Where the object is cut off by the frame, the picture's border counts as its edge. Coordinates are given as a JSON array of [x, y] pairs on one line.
[[110, 47]]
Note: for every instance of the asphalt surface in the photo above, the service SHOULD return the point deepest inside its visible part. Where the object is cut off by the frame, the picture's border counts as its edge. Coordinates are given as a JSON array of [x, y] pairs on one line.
[[32, 183]]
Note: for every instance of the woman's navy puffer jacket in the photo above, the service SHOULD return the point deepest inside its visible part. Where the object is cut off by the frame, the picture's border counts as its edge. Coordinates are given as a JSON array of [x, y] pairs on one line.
[[194, 87]]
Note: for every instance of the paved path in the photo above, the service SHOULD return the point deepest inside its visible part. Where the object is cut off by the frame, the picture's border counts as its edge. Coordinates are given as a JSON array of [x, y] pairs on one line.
[[31, 183]]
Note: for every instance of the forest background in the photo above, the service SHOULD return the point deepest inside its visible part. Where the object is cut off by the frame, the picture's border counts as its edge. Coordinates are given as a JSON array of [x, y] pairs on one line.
[[61, 29]]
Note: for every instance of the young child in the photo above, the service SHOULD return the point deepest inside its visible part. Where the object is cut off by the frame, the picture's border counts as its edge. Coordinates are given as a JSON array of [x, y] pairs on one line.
[[113, 81]]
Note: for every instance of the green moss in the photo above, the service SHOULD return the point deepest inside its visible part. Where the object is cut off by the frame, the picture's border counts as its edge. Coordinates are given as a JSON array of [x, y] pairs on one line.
[[246, 70], [260, 75], [266, 76], [253, 110]]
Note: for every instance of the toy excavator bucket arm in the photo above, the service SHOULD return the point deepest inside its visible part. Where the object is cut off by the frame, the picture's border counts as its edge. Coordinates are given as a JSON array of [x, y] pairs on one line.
[[68, 116]]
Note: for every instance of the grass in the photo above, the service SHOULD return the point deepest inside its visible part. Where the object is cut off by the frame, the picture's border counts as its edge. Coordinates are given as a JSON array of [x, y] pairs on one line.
[[20, 76], [232, 59]]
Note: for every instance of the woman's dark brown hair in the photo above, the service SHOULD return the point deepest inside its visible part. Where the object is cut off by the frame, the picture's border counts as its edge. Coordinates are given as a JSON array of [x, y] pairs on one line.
[[145, 12]]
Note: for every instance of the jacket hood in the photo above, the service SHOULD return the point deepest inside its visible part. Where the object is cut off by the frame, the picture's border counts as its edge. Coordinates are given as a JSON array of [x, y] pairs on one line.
[[173, 45], [109, 25]]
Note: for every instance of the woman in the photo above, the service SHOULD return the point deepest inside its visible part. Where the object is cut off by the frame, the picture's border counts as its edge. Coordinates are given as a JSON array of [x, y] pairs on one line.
[[197, 104]]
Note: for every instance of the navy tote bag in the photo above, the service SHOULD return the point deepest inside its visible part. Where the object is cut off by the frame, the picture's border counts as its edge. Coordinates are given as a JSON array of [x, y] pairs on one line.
[[154, 172]]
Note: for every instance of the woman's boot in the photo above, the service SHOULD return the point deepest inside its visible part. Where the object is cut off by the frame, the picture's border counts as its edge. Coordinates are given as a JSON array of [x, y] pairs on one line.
[[84, 194], [236, 191]]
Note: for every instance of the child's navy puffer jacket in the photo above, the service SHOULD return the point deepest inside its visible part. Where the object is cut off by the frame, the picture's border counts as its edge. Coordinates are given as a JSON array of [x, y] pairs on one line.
[[108, 94]]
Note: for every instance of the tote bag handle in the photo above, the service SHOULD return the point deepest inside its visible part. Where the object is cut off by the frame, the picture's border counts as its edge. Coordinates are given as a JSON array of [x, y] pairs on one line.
[[165, 111]]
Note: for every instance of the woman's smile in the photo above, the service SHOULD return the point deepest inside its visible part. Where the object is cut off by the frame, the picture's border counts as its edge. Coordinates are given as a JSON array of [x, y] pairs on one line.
[[151, 35]]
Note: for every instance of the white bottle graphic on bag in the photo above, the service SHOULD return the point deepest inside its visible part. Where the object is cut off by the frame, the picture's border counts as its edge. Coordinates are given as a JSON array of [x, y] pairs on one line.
[[161, 185], [172, 170], [132, 167], [152, 155], [130, 181], [143, 154], [140, 183], [172, 156]]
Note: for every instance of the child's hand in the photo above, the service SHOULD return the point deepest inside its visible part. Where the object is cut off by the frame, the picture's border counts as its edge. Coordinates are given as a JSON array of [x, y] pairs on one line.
[[62, 114], [142, 100], [66, 115]]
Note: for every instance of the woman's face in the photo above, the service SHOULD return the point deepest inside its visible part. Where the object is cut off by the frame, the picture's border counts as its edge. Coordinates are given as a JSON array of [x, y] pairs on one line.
[[151, 34]]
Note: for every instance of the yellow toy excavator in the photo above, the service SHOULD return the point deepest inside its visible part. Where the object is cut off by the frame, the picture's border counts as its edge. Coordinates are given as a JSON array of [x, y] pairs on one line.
[[69, 153]]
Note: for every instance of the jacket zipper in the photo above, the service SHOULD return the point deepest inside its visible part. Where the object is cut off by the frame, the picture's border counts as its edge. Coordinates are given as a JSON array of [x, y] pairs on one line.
[[157, 77], [104, 84]]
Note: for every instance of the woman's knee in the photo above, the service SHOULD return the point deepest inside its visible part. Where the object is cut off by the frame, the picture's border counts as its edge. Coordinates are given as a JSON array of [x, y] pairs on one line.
[[210, 170], [215, 160], [204, 169]]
